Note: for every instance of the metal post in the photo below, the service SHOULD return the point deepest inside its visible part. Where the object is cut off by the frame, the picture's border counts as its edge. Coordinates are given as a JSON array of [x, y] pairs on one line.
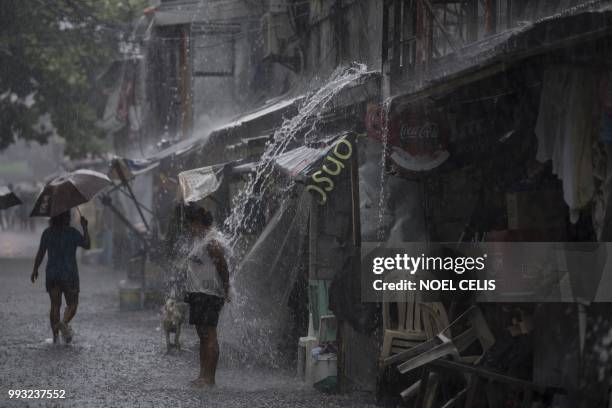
[[106, 201], [355, 193], [125, 182]]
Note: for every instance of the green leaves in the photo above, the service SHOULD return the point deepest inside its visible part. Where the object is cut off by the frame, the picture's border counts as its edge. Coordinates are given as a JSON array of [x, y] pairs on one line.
[[54, 50]]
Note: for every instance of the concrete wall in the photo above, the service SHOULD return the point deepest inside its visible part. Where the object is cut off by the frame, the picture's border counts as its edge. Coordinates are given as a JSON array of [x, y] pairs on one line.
[[341, 32], [336, 32]]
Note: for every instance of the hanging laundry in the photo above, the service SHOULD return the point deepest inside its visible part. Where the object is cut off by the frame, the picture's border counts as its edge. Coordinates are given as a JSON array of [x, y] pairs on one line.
[[565, 130], [125, 101]]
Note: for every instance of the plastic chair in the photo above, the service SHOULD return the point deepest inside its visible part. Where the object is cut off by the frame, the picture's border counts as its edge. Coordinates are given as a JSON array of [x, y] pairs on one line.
[[416, 321]]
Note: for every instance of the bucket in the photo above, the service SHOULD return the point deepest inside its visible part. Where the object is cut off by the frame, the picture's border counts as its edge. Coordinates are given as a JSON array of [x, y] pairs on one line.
[[130, 299]]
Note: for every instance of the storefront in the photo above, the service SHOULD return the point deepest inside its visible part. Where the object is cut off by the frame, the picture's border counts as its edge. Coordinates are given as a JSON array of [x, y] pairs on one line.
[[512, 149]]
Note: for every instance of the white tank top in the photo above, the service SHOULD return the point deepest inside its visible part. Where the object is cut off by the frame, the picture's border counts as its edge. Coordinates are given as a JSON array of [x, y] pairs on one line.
[[202, 274]]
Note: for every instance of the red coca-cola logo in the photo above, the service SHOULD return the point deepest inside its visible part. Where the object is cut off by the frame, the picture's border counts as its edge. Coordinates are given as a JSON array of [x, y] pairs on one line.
[[419, 131]]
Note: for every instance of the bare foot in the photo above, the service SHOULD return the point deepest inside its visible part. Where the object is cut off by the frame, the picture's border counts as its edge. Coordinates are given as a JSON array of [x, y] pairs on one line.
[[202, 382]]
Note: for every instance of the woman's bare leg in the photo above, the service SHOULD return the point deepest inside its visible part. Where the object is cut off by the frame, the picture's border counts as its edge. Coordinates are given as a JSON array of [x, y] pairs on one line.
[[72, 301], [209, 355], [203, 335], [54, 315], [212, 355]]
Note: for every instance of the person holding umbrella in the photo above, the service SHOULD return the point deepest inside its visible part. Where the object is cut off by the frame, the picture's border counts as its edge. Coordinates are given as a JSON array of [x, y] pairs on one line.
[[60, 242]]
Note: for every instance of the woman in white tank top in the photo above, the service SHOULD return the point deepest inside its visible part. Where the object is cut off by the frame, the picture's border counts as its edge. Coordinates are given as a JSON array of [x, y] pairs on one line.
[[207, 288]]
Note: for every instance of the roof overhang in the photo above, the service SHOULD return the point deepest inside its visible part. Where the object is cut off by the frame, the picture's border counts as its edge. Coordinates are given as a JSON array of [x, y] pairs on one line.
[[498, 53]]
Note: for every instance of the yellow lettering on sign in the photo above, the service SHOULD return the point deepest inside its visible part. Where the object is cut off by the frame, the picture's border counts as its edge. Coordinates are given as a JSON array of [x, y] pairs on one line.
[[323, 194], [348, 154], [343, 150], [317, 179], [339, 166]]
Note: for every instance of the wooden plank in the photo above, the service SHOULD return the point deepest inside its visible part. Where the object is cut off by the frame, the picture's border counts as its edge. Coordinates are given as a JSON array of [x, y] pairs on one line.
[[415, 351], [212, 74], [488, 374], [411, 391], [422, 388], [454, 401], [422, 359]]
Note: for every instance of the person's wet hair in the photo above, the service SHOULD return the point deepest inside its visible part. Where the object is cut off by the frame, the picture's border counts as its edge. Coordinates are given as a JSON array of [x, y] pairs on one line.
[[60, 220], [199, 214]]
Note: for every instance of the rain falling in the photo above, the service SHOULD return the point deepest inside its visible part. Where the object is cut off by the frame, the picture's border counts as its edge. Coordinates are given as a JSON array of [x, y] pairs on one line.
[[309, 203]]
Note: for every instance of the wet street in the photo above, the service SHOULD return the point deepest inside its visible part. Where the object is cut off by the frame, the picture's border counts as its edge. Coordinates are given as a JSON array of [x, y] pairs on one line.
[[117, 358]]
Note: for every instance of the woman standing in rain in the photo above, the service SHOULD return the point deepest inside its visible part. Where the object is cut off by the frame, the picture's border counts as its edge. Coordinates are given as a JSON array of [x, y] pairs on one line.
[[60, 241], [207, 288]]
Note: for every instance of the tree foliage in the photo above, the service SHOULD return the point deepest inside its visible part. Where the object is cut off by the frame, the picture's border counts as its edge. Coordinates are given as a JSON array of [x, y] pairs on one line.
[[51, 54]]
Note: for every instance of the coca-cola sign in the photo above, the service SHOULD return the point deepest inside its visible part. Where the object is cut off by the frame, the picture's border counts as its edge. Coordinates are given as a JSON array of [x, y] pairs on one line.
[[420, 139], [417, 138]]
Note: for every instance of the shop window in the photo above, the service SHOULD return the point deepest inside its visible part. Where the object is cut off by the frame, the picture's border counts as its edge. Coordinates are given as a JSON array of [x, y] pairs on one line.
[[164, 84], [456, 24], [399, 36], [451, 26], [213, 57]]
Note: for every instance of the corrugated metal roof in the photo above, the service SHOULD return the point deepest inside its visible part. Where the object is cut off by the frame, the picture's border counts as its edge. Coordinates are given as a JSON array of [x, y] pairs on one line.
[[299, 162], [589, 20]]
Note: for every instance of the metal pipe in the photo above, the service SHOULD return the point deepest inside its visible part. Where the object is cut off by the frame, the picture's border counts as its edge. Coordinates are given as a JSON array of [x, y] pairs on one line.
[[125, 182], [107, 202]]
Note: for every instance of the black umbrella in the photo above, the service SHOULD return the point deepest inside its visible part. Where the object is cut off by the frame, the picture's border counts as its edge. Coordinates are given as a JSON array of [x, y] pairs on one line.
[[68, 191], [8, 199]]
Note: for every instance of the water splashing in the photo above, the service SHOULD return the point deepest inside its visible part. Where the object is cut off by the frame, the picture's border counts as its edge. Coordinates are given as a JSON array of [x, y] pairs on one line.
[[382, 198], [256, 322], [259, 318], [304, 123]]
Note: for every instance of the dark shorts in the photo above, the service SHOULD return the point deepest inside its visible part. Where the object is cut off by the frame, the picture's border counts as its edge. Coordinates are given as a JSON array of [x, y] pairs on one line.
[[69, 289], [204, 309]]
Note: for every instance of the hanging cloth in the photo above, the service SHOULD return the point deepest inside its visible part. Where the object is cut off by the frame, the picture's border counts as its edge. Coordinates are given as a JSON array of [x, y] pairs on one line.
[[565, 130]]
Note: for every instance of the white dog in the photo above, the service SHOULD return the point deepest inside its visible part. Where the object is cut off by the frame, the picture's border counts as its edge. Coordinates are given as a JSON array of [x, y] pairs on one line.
[[173, 316]]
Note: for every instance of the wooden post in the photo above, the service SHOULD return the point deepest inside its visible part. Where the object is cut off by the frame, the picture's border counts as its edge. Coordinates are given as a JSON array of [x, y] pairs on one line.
[[356, 241], [185, 81], [420, 45], [472, 20], [355, 192], [397, 29], [340, 356], [490, 17], [126, 183], [313, 231]]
